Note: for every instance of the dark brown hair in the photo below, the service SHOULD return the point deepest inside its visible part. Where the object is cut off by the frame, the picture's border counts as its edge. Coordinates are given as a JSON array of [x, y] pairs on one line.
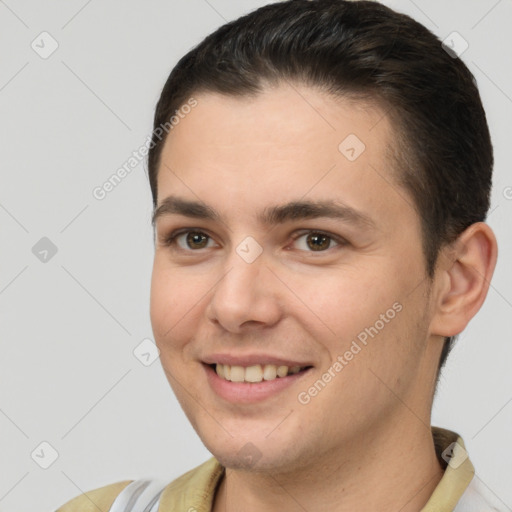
[[443, 150]]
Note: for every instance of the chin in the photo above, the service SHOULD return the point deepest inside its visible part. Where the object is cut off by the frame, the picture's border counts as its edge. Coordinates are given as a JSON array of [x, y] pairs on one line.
[[257, 454], [249, 458]]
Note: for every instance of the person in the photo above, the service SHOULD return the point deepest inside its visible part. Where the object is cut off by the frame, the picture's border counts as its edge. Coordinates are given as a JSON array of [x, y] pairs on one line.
[[321, 173]]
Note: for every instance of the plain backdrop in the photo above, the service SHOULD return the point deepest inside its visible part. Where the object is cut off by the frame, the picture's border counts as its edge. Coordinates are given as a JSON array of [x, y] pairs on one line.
[[75, 270]]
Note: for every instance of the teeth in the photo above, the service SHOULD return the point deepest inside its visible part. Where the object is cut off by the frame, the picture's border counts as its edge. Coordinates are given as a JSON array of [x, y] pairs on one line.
[[282, 371], [237, 374], [269, 372], [255, 373]]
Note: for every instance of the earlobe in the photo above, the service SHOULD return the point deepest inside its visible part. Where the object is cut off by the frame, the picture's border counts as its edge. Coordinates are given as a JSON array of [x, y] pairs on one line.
[[463, 279]]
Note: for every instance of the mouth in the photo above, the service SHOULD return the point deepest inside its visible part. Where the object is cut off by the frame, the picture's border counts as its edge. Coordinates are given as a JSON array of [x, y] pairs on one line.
[[251, 384], [255, 373]]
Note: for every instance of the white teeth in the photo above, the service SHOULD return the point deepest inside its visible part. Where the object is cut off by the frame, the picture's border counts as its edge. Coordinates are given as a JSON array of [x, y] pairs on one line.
[[254, 373], [282, 371], [237, 374], [270, 372]]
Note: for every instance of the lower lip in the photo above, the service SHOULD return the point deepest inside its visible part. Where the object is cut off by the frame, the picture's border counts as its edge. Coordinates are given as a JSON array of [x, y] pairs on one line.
[[249, 392]]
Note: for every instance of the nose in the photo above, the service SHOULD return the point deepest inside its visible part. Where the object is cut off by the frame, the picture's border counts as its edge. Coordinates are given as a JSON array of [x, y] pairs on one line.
[[246, 296]]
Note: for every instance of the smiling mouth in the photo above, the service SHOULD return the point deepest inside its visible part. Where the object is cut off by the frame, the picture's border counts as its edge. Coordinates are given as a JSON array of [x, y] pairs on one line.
[[255, 373]]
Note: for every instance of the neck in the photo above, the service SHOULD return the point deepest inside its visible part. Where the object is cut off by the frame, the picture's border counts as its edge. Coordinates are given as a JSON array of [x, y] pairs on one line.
[[387, 471]]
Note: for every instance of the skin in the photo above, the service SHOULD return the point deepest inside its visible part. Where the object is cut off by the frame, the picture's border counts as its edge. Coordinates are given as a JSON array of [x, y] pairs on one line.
[[363, 442]]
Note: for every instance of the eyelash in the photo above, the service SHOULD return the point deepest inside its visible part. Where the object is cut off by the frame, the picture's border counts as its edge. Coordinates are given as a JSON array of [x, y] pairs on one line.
[[171, 240]]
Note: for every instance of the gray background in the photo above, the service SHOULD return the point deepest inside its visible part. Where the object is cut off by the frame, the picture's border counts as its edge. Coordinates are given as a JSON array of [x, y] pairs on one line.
[[68, 327]]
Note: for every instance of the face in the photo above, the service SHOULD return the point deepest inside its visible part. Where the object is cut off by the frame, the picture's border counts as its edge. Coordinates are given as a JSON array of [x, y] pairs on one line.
[[255, 280]]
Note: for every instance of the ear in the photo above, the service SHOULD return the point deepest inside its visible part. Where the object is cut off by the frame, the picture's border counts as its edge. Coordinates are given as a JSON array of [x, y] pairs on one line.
[[462, 279]]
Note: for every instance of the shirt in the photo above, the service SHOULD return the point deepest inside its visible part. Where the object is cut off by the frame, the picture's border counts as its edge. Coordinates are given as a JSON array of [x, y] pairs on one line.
[[459, 490]]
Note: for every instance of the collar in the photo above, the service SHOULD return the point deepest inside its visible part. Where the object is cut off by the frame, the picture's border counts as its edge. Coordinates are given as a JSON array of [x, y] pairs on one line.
[[194, 491]]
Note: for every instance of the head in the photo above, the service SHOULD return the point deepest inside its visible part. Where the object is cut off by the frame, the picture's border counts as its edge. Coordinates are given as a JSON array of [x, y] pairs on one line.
[[321, 101]]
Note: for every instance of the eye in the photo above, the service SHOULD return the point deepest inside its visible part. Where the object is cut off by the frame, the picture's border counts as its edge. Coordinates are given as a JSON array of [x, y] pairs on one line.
[[194, 240], [189, 240], [318, 241]]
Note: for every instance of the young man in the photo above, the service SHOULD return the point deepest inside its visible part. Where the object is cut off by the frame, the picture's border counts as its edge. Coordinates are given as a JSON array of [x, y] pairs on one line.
[[320, 172]]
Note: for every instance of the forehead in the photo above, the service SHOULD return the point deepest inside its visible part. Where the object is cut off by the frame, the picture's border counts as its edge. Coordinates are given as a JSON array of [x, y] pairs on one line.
[[287, 142], [281, 115]]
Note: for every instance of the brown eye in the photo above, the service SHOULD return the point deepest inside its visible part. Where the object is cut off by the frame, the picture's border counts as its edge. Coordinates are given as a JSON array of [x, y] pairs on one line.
[[315, 241], [188, 240], [196, 239], [318, 242]]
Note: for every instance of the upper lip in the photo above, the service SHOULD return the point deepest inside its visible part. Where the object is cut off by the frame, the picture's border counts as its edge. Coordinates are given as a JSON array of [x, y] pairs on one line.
[[252, 359]]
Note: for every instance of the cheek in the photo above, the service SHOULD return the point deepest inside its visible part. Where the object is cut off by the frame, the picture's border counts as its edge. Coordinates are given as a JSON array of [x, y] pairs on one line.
[[343, 301], [177, 300], [362, 315], [169, 301]]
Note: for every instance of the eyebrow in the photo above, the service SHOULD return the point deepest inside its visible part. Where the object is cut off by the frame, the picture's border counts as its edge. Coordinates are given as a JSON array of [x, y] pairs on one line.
[[271, 215]]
